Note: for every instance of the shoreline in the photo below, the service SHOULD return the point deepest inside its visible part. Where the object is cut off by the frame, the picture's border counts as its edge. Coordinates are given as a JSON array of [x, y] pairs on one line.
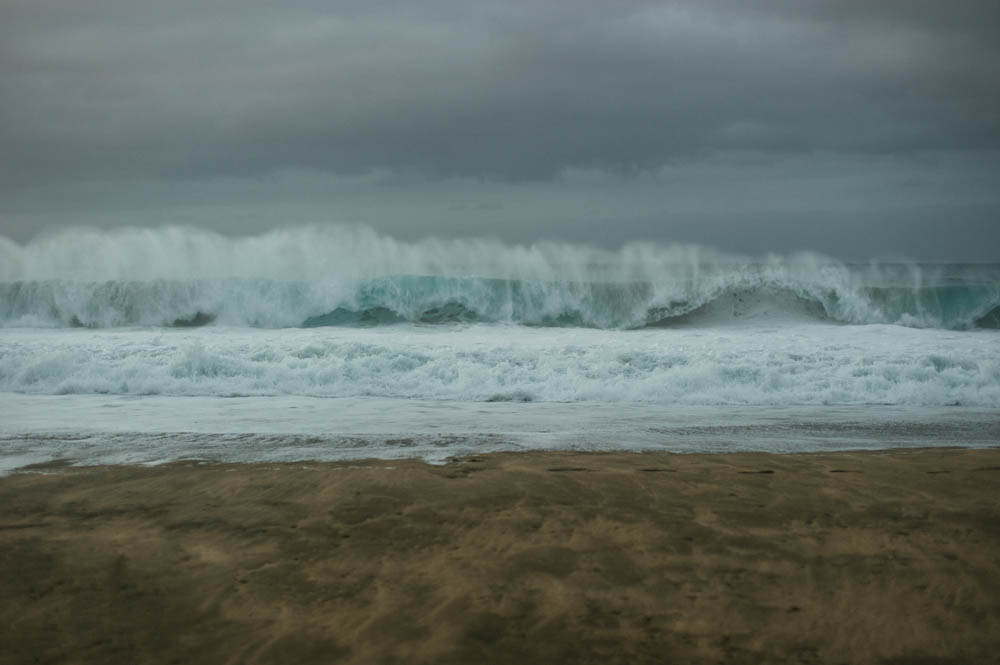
[[534, 557]]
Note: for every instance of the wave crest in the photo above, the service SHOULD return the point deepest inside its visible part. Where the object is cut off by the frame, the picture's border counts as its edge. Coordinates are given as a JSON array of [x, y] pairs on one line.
[[346, 276]]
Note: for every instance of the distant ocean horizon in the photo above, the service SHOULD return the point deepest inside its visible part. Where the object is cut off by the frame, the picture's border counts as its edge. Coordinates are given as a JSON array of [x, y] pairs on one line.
[[507, 344]]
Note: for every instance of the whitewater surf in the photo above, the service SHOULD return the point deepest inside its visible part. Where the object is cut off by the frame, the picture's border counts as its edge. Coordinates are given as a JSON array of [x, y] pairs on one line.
[[344, 318]]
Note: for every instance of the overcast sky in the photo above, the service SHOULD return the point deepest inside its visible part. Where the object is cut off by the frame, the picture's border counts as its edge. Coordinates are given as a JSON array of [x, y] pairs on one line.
[[856, 128]]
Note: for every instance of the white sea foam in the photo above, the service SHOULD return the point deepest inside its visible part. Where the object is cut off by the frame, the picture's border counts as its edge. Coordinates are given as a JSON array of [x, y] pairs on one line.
[[805, 363]]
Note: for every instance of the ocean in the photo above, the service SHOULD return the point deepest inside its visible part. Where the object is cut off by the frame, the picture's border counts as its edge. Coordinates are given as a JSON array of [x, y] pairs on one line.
[[332, 343]]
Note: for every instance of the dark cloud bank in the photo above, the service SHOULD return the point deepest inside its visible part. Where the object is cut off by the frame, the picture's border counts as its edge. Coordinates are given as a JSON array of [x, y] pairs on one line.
[[855, 128]]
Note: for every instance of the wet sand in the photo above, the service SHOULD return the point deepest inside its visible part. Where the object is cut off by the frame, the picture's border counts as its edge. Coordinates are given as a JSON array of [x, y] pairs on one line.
[[887, 557]]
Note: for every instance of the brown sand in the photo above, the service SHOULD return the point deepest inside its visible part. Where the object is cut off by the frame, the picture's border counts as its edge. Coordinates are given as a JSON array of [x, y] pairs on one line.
[[511, 558]]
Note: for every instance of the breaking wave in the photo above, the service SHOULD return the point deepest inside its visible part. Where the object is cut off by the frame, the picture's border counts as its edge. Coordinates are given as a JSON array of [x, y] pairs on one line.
[[346, 276]]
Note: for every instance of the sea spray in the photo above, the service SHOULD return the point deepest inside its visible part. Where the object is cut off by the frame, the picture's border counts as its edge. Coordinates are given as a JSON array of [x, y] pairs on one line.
[[351, 276]]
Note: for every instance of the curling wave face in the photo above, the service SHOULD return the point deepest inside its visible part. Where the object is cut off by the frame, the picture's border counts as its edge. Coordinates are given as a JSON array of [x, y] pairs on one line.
[[345, 276]]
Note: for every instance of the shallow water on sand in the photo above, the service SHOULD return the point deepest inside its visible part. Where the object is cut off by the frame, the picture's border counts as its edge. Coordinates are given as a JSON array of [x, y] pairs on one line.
[[149, 395], [113, 429]]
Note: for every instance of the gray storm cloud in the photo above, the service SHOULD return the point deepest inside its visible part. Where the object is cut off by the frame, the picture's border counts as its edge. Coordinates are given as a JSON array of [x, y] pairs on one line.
[[114, 92]]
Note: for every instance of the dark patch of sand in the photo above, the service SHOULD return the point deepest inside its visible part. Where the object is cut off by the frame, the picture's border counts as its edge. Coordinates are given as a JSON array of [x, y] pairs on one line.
[[509, 558]]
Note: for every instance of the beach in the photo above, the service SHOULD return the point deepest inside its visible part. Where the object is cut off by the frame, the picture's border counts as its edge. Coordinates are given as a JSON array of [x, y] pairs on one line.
[[560, 557]]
